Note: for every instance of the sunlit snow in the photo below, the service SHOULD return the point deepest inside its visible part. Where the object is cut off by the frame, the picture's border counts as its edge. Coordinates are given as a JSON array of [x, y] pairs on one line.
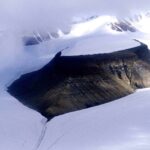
[[143, 25], [91, 26]]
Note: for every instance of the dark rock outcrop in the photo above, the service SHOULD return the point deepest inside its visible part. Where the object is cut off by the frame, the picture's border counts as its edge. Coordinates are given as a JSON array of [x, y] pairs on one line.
[[122, 26], [70, 83]]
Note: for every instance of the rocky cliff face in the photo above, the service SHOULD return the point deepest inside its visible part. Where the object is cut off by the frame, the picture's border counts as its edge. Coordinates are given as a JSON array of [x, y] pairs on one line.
[[70, 83]]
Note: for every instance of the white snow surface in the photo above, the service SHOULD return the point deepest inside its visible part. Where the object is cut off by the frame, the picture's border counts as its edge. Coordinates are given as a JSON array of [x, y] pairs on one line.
[[20, 127], [120, 125], [123, 124], [100, 44]]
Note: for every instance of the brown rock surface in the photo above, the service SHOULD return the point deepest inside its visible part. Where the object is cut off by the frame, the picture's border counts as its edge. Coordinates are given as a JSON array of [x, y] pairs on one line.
[[70, 83]]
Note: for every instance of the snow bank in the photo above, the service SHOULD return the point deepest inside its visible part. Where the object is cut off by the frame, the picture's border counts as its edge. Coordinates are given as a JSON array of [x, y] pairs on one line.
[[119, 125], [100, 44], [20, 127]]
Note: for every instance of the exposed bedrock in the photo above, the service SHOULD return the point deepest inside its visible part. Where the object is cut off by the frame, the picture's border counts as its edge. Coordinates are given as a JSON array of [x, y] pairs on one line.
[[70, 83]]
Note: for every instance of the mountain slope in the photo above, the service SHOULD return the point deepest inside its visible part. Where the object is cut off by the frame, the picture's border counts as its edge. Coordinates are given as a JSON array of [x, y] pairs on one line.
[[102, 24], [119, 125], [70, 83], [20, 127]]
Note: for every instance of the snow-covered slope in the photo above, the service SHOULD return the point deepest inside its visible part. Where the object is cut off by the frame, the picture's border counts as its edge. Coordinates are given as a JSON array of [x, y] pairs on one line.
[[93, 35], [134, 23], [99, 44], [101, 24], [20, 127], [120, 125]]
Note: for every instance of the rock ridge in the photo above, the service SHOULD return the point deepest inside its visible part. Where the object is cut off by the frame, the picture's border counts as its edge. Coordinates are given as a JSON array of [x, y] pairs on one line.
[[71, 83]]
